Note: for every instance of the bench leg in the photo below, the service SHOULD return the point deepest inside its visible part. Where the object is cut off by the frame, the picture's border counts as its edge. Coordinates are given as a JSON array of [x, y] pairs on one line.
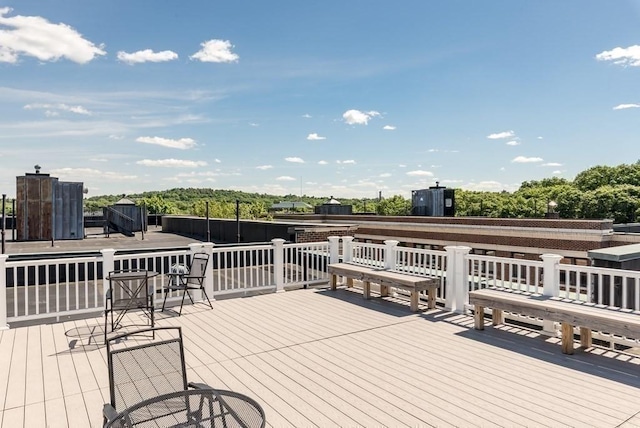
[[366, 290], [384, 290], [349, 282], [496, 317], [585, 337], [334, 281], [415, 299], [431, 298], [567, 338], [478, 317]]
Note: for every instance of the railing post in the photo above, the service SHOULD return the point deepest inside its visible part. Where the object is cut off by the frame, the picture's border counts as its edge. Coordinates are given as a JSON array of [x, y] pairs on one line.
[[457, 292], [278, 263], [551, 280], [3, 292], [550, 285], [108, 265], [334, 249], [390, 246], [207, 248], [347, 250]]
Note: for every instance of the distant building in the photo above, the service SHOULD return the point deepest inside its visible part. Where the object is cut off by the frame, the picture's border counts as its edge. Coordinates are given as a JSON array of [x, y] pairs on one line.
[[333, 207], [286, 205], [47, 208]]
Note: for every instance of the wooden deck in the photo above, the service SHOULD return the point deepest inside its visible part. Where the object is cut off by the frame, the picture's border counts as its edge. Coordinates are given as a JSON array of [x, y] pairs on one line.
[[329, 358]]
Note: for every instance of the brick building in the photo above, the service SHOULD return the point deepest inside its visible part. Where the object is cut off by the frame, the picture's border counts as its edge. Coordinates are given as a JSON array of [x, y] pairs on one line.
[[502, 237]]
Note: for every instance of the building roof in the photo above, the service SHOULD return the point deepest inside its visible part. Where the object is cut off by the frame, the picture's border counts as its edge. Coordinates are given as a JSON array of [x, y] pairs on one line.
[[620, 253], [125, 201], [284, 205]]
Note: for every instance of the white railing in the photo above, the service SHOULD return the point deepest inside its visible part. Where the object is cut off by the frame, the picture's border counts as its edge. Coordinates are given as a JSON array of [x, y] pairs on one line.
[[512, 274], [306, 264], [56, 288], [243, 268], [48, 288], [421, 262], [602, 286], [366, 254]]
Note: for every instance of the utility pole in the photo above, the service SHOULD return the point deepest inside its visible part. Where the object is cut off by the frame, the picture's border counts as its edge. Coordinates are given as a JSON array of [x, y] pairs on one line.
[[4, 200], [238, 218]]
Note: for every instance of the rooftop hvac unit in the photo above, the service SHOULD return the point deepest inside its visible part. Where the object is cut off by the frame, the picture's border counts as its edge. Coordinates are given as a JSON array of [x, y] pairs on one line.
[[435, 201]]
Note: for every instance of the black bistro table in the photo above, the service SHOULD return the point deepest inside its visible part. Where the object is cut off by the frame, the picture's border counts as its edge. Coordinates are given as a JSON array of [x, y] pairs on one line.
[[128, 290], [192, 408]]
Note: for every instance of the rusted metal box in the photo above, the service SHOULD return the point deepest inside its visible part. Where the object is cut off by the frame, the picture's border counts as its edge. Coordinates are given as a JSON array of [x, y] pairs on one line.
[[48, 209]]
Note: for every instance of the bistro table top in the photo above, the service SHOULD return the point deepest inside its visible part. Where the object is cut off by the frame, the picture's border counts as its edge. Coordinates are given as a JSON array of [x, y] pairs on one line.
[[193, 408]]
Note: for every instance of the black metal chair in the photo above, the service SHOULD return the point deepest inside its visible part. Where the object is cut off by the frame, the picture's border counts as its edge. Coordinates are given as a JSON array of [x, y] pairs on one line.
[[128, 290], [142, 368], [192, 280]]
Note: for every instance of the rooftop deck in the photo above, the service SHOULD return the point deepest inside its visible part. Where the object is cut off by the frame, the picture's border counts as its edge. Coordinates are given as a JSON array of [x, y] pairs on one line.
[[323, 358]]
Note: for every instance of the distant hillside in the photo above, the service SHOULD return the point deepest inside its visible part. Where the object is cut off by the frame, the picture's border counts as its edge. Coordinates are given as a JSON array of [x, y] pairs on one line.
[[221, 202]]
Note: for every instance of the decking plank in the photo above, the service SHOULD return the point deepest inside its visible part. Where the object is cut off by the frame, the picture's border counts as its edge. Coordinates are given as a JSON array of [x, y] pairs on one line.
[[6, 351], [18, 371], [35, 415], [50, 370], [34, 374]]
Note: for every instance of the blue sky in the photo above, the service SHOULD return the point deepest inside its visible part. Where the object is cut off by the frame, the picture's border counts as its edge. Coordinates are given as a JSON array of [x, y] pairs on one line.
[[342, 98]]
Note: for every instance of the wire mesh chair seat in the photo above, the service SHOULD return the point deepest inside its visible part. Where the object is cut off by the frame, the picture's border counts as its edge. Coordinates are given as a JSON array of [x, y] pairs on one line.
[[193, 408], [141, 368], [192, 279]]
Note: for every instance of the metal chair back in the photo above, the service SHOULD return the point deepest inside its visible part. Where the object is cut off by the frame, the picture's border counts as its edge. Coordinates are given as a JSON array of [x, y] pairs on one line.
[[197, 269], [141, 368]]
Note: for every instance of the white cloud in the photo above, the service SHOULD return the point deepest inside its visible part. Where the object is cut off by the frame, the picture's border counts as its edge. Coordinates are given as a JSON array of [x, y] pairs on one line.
[[322, 162], [315, 137], [182, 143], [385, 175], [50, 109], [36, 37], [626, 106], [389, 128], [523, 159], [540, 138], [264, 167], [357, 117], [556, 172], [285, 178], [146, 55], [347, 162], [501, 135], [253, 124], [402, 166], [513, 143], [216, 51], [294, 160], [116, 137], [486, 186], [306, 116], [420, 173], [622, 56], [217, 160], [551, 164], [171, 163], [82, 174]]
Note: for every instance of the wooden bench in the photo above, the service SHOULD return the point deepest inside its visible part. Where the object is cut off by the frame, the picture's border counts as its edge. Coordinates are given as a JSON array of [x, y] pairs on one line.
[[569, 314], [386, 278]]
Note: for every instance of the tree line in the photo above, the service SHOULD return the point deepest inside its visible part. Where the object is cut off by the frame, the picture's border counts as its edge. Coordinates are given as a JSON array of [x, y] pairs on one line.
[[598, 192]]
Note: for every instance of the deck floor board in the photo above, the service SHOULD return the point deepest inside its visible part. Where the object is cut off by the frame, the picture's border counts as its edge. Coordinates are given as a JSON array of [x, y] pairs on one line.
[[331, 358]]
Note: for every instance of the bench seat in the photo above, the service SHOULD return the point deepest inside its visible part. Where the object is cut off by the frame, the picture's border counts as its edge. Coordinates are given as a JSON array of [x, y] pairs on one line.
[[569, 313], [386, 278]]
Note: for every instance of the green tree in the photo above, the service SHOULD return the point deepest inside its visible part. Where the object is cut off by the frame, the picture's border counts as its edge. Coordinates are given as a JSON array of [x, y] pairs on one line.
[[395, 205]]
